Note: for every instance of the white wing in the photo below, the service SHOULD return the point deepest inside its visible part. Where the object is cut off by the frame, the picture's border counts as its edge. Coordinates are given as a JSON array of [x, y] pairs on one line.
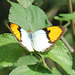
[[40, 41], [26, 41]]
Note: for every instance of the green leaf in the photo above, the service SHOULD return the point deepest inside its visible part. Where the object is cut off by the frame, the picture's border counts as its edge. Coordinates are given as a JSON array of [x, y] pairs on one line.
[[61, 18], [68, 16], [31, 18], [38, 2], [74, 64], [57, 3], [10, 50], [27, 60], [25, 3], [60, 54], [65, 17], [30, 70], [55, 71]]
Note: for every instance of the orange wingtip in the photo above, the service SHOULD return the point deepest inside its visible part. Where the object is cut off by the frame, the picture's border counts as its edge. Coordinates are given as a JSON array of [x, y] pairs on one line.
[[55, 32], [15, 29]]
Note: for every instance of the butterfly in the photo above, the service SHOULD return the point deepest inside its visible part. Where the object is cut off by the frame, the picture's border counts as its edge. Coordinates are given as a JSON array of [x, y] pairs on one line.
[[41, 40]]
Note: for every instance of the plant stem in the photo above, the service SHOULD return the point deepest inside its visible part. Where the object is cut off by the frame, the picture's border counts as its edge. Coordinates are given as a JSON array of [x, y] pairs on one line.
[[68, 46], [72, 24], [52, 12], [67, 24]]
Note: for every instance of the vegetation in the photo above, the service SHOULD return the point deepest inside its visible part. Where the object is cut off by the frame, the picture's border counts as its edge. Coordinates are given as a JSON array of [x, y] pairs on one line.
[[60, 60]]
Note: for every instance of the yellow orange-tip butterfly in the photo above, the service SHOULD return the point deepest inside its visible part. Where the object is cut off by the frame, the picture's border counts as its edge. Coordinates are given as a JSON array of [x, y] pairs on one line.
[[41, 40]]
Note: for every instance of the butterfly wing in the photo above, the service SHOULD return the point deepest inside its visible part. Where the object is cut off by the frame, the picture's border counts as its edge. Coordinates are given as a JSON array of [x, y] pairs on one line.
[[40, 41], [21, 35], [46, 38]]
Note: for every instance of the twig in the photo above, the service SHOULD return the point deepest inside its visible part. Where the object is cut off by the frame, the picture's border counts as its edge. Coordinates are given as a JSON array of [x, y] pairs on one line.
[[72, 23], [49, 23], [67, 24], [68, 46], [52, 12]]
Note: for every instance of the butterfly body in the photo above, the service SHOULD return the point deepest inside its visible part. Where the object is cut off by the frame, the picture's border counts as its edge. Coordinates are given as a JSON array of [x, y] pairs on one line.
[[40, 40]]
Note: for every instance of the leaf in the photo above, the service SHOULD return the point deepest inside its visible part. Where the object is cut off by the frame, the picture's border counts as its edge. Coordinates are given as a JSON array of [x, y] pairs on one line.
[[27, 60], [65, 17], [60, 54], [30, 70], [61, 18], [10, 50], [38, 2], [25, 3], [31, 18], [57, 3], [68, 16], [55, 71]]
